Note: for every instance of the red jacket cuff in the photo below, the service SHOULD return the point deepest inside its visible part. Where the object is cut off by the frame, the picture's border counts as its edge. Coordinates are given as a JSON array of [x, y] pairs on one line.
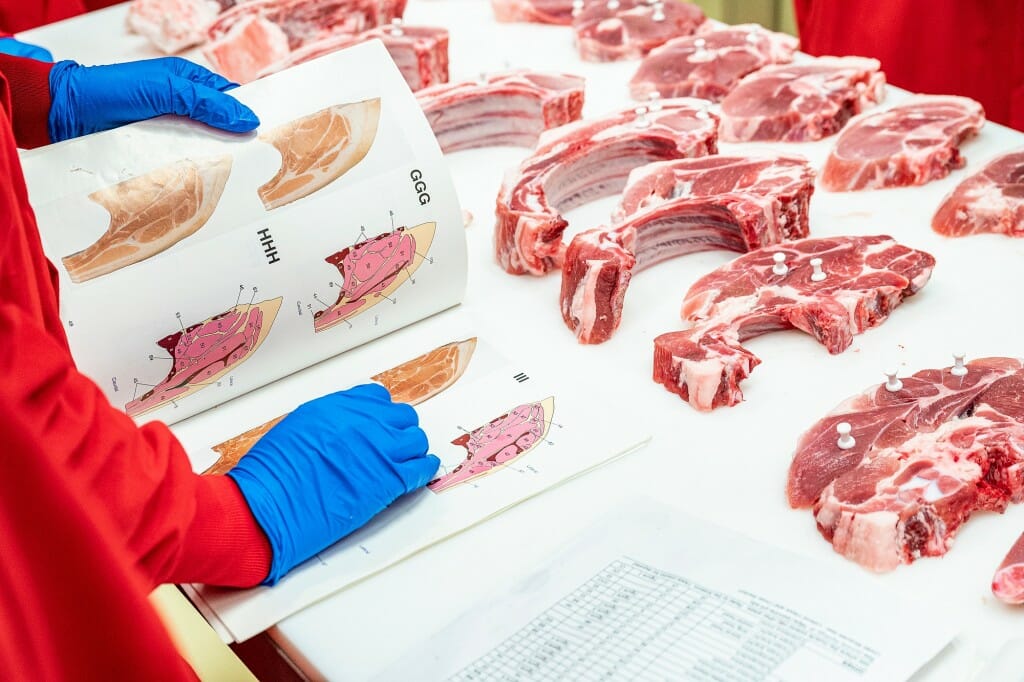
[[29, 82], [224, 544]]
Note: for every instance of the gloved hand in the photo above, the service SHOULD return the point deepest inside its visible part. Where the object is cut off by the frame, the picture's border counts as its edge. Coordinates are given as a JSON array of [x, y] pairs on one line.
[[87, 99], [330, 466], [17, 48]]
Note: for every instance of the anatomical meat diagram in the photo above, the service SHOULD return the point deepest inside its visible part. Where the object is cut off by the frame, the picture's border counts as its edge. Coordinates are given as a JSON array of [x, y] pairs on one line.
[[413, 382], [318, 149], [373, 269], [498, 443], [151, 213], [204, 352]]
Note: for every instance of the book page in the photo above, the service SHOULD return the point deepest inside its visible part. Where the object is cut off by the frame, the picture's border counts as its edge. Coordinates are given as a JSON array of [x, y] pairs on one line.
[[196, 266], [651, 594], [504, 428]]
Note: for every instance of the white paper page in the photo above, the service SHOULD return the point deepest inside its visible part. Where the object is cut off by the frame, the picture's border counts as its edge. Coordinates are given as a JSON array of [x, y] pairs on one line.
[[198, 294], [577, 433], [651, 594]]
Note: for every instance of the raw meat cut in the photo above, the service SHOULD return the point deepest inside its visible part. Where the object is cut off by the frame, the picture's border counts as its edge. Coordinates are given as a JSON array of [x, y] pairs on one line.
[[318, 149], [1008, 582], [511, 108], [248, 48], [801, 102], [587, 160], [674, 208], [373, 269], [927, 453], [151, 213], [862, 280], [910, 144], [535, 11], [173, 25], [991, 200], [499, 442], [255, 34], [413, 382], [203, 353], [629, 29], [710, 64], [420, 52]]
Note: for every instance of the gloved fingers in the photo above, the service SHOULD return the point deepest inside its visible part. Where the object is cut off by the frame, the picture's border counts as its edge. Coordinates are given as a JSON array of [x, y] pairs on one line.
[[210, 106], [183, 68], [372, 391], [12, 46], [418, 472], [410, 443]]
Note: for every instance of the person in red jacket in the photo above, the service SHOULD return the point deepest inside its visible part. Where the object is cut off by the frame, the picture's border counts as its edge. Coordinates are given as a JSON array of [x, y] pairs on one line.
[[21, 15], [96, 511], [941, 47]]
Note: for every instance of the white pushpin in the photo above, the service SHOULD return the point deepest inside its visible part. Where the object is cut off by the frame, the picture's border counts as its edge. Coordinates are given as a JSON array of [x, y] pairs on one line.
[[752, 36], [703, 113], [396, 27], [892, 383], [958, 369], [613, 4], [659, 12], [641, 118], [700, 45], [654, 101], [577, 7], [846, 441], [818, 275], [780, 268]]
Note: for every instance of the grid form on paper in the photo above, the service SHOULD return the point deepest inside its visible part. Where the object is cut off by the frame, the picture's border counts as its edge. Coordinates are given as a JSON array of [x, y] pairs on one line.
[[634, 621]]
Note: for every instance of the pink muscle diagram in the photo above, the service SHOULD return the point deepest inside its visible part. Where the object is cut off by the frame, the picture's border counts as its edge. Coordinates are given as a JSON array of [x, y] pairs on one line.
[[498, 443], [204, 352], [371, 270]]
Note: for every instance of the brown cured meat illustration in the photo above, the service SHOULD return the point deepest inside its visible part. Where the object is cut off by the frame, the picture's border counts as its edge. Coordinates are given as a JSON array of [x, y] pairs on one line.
[[373, 269], [151, 213], [204, 352], [413, 382], [499, 442], [318, 149]]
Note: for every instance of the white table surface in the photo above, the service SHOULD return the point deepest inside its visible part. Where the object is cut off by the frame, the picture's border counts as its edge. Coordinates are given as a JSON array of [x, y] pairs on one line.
[[728, 467]]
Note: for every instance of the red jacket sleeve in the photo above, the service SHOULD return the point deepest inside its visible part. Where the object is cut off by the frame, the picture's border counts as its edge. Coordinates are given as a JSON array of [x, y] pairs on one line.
[[175, 525], [29, 84], [940, 47], [70, 605]]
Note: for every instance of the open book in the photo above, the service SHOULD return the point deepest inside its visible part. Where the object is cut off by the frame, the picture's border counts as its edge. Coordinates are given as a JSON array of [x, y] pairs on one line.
[[216, 282]]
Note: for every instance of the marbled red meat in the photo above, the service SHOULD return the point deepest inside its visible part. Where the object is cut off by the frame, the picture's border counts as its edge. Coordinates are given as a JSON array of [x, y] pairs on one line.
[[709, 64], [802, 101], [674, 208], [910, 144], [583, 161], [865, 278], [511, 108], [926, 455], [991, 200]]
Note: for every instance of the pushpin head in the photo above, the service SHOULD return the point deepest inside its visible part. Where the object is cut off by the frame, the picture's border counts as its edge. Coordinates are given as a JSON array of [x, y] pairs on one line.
[[613, 4], [641, 117], [892, 384], [846, 441], [958, 369], [818, 275], [780, 268], [654, 100], [700, 44], [396, 27], [659, 12], [577, 7], [752, 36]]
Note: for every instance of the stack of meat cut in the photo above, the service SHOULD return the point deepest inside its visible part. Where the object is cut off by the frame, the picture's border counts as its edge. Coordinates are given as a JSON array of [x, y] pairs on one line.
[[248, 39]]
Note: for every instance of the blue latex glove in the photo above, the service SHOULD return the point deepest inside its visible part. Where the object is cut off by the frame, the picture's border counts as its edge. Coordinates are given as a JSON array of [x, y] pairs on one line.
[[19, 49], [87, 99], [328, 468]]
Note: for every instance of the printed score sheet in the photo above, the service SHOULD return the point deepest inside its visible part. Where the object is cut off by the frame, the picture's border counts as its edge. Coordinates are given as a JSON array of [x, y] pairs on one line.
[[650, 594]]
